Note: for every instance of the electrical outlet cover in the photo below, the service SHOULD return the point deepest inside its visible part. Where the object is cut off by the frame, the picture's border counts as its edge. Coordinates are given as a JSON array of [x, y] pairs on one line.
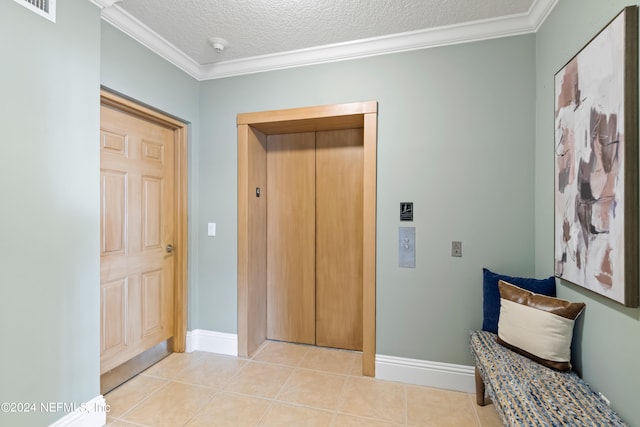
[[456, 249]]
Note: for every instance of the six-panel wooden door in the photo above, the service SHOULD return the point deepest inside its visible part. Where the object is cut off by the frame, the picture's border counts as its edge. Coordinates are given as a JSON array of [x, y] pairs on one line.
[[136, 236]]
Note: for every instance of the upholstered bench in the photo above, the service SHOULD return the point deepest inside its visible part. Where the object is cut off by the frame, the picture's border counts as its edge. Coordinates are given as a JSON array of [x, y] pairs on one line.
[[526, 393]]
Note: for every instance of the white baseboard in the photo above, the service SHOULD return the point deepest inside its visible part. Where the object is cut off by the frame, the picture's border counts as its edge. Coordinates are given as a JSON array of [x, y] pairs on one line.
[[411, 371], [425, 373], [89, 414], [212, 342]]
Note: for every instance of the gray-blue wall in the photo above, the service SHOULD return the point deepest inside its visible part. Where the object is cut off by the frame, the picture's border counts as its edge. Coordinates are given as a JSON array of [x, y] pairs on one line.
[[49, 220], [129, 68], [455, 136], [607, 344], [464, 132]]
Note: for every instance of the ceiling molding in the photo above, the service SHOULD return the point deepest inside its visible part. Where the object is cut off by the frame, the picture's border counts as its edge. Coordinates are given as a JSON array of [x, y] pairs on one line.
[[403, 42], [102, 4], [539, 11], [137, 30], [441, 36]]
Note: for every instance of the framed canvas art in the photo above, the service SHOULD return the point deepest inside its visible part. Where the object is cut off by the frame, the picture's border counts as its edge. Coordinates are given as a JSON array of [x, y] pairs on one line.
[[596, 163]]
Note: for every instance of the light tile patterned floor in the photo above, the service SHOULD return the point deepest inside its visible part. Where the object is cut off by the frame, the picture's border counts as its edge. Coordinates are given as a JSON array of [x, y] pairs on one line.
[[283, 385]]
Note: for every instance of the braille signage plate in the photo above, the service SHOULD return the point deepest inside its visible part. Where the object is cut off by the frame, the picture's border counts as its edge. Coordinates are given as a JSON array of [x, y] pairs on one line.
[[406, 211]]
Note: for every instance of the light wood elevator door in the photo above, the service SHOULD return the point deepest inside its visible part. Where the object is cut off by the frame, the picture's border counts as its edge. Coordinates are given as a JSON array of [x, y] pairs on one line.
[[339, 189], [314, 238], [291, 237]]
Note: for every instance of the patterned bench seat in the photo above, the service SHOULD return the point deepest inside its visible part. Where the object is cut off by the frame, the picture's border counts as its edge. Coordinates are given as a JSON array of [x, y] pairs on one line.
[[526, 393]]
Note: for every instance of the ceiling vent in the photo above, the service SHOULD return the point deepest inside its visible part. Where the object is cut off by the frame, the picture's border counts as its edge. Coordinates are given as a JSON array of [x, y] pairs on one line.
[[46, 8]]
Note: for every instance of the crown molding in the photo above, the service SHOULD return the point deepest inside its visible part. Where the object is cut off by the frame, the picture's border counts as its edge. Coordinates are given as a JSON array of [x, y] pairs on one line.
[[512, 25], [102, 4], [539, 11], [144, 35]]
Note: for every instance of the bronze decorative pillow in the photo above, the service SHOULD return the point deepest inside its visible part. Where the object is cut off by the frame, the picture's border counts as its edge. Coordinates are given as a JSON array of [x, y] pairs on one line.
[[537, 326]]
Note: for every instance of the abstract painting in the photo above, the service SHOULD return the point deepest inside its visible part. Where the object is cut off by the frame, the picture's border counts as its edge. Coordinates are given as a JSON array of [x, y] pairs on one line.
[[596, 163]]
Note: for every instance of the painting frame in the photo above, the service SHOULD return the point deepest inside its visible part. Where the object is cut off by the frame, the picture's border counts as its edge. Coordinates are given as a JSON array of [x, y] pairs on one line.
[[596, 163]]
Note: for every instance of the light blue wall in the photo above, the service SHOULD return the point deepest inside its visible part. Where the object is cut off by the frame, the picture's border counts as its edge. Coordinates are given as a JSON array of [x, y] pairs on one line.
[[455, 136], [49, 268], [129, 68], [607, 344], [459, 134]]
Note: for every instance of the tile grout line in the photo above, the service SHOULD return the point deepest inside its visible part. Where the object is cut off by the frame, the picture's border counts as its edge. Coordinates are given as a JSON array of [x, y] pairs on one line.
[[337, 412], [295, 364], [146, 397], [475, 410], [125, 421], [168, 380], [406, 405], [201, 408], [296, 367], [273, 400]]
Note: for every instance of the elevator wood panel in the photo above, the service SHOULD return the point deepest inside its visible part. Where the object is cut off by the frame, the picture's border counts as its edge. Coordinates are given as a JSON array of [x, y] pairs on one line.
[[251, 324], [339, 176], [291, 237], [137, 222], [257, 224]]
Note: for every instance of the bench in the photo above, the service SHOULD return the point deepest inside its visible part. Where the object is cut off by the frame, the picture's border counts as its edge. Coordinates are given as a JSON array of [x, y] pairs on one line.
[[526, 393]]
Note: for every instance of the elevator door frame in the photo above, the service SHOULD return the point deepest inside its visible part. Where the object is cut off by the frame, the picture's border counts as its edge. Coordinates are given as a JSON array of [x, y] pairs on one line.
[[253, 129]]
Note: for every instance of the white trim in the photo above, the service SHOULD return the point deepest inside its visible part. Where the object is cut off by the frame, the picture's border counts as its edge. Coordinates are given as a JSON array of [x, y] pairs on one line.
[[422, 372], [422, 39], [212, 342], [539, 11], [144, 35], [104, 3], [90, 414], [513, 25], [411, 371]]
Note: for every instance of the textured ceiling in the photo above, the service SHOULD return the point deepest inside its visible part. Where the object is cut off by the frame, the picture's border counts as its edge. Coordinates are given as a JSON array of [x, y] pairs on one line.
[[261, 27]]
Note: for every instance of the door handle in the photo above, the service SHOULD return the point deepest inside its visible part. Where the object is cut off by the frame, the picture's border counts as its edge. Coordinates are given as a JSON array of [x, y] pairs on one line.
[[169, 248]]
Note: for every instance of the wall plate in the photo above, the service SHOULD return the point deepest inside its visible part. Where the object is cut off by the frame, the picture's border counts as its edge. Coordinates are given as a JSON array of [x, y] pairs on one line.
[[407, 247]]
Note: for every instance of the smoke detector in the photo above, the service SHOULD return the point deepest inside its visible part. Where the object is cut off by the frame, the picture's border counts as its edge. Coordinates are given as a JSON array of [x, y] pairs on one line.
[[218, 43]]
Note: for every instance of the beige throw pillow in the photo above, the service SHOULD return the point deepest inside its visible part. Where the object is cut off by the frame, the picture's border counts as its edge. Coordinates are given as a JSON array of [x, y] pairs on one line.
[[537, 326]]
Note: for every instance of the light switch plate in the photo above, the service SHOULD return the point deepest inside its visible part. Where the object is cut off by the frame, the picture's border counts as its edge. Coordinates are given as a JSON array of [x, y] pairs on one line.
[[407, 247], [211, 229], [456, 248]]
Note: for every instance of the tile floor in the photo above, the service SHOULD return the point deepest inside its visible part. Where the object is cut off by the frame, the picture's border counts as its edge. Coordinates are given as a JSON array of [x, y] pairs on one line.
[[283, 385]]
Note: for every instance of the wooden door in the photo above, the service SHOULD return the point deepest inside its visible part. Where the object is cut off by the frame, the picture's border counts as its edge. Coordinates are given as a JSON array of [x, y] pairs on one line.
[[339, 196], [136, 226], [291, 237]]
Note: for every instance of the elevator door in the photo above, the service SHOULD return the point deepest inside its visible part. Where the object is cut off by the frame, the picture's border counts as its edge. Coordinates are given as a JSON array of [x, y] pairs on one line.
[[291, 237], [314, 238], [339, 184]]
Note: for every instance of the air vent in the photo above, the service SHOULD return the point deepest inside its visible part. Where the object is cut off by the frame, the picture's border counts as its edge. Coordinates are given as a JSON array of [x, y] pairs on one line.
[[46, 8]]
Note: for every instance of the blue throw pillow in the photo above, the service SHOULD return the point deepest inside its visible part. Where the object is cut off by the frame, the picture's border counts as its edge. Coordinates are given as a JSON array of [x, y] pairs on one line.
[[491, 295]]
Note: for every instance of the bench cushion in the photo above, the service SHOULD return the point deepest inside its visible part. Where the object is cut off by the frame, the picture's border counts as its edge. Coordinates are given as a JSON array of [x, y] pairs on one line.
[[526, 393]]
